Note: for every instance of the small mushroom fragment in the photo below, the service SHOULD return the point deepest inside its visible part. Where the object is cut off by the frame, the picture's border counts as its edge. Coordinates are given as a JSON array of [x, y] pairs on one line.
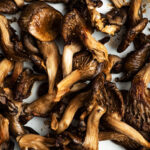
[[4, 129], [51, 1], [134, 61], [113, 60], [40, 20], [24, 84], [11, 46], [137, 25], [19, 3], [76, 103], [84, 68], [119, 3], [74, 27], [38, 142], [8, 7], [91, 138]]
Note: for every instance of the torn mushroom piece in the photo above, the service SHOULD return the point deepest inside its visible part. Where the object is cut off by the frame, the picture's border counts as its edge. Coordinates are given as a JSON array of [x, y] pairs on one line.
[[4, 129], [24, 84], [11, 46], [137, 25], [38, 142], [112, 61], [91, 138], [74, 27], [134, 61], [85, 67], [46, 29], [119, 3]]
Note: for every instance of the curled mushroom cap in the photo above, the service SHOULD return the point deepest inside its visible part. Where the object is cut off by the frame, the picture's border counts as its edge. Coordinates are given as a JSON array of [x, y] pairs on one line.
[[33, 141], [4, 129], [41, 20], [74, 27]]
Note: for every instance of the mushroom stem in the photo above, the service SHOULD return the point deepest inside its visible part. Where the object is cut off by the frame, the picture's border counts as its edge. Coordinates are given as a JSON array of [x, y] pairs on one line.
[[51, 55], [127, 130], [71, 109], [67, 58], [6, 66], [64, 86], [91, 139]]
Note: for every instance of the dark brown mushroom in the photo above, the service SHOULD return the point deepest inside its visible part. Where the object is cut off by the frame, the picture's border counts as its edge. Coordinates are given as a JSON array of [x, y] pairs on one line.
[[41, 21], [7, 145]]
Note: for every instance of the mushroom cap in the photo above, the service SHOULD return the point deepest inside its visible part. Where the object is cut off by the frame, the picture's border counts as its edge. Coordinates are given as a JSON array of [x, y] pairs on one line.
[[41, 21]]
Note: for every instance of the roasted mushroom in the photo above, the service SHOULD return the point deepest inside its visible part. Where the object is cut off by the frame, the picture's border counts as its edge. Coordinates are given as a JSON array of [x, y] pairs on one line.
[[41, 20], [52, 1], [119, 3]]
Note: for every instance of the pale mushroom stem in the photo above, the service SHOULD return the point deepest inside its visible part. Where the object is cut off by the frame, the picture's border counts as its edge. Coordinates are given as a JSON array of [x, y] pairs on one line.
[[71, 109], [67, 58], [127, 130], [91, 139], [64, 86], [6, 66]]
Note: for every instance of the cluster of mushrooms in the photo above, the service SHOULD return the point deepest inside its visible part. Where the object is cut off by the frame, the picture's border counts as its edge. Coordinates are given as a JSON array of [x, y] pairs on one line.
[[76, 94]]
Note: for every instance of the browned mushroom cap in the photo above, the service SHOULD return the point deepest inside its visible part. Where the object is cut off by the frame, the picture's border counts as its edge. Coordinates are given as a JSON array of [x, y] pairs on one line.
[[8, 7], [50, 53], [52, 1], [131, 34], [24, 84], [11, 46], [71, 109], [6, 66], [119, 3], [32, 141], [113, 60], [84, 68], [75, 27], [134, 61], [91, 138], [4, 129], [19, 3], [41, 20]]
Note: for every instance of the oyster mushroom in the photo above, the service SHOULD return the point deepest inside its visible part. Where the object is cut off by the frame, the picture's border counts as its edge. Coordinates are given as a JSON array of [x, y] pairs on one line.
[[41, 20], [137, 25], [84, 68], [73, 28], [4, 129]]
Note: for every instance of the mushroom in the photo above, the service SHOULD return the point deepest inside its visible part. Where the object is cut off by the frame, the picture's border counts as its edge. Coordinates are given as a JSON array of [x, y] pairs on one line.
[[119, 3], [84, 68], [137, 25], [40, 20], [38, 142], [19, 3], [11, 46], [8, 7], [91, 138], [74, 27], [52, 1], [134, 61], [7, 145], [4, 129]]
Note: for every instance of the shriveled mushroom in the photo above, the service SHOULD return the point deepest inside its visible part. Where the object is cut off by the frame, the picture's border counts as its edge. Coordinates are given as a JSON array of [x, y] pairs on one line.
[[119, 3], [84, 68], [52, 1], [38, 142], [7, 145], [4, 129], [91, 139], [40, 20]]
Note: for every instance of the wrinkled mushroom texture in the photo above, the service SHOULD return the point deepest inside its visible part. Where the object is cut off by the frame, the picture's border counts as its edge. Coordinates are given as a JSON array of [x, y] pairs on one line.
[[52, 1], [131, 34], [24, 84], [74, 27], [112, 61], [12, 50], [4, 129], [36, 142], [76, 103], [41, 21], [91, 138], [84, 68], [5, 67], [50, 53], [134, 61], [8, 7], [137, 106], [119, 3]]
